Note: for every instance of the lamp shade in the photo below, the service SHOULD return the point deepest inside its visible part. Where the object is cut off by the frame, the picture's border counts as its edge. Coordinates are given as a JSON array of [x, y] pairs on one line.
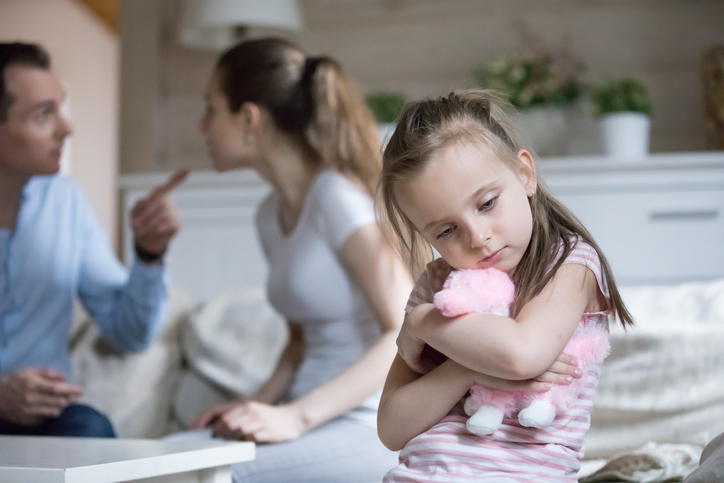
[[218, 24]]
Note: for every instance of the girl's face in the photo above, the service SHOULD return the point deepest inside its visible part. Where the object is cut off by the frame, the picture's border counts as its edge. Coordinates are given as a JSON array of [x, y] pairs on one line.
[[471, 207], [227, 133]]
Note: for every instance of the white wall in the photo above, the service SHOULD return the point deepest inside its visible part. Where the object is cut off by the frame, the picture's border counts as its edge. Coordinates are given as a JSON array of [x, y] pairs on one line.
[[84, 53]]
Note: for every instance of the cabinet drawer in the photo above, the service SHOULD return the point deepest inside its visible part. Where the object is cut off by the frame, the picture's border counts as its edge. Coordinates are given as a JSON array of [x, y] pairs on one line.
[[656, 237]]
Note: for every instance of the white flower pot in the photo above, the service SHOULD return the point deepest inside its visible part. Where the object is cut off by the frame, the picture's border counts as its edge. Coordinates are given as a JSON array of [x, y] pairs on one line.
[[626, 135], [543, 130]]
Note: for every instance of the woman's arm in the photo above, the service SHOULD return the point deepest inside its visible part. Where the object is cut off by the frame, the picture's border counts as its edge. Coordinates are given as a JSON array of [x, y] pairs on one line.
[[272, 390], [386, 285], [517, 349], [287, 367]]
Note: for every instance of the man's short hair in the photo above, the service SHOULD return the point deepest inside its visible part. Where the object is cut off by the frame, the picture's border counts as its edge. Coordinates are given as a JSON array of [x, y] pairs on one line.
[[17, 53]]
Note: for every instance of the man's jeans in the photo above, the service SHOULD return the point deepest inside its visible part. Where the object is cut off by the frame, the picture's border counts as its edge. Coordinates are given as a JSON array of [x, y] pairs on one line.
[[75, 420]]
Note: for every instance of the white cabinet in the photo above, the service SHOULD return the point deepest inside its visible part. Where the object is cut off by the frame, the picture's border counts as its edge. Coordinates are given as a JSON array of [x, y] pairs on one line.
[[659, 220]]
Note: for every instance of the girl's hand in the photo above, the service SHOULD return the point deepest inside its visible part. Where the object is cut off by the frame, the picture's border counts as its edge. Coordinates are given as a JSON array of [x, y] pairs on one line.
[[409, 346], [261, 423], [561, 372]]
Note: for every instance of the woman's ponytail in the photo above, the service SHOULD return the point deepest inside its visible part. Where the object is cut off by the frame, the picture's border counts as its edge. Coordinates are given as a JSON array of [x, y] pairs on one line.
[[342, 129], [310, 98]]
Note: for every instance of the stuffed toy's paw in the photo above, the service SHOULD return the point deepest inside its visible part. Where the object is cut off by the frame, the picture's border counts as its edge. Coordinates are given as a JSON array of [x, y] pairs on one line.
[[538, 414], [486, 420]]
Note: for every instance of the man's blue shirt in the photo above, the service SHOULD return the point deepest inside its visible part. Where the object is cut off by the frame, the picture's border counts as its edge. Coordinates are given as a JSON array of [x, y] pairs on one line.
[[58, 252]]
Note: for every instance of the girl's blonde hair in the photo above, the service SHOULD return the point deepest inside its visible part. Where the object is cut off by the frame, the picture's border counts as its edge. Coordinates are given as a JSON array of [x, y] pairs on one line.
[[480, 117], [311, 99]]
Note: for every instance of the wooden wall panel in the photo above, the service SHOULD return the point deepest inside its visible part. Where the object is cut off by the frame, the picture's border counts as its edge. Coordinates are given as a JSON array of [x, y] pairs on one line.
[[427, 48]]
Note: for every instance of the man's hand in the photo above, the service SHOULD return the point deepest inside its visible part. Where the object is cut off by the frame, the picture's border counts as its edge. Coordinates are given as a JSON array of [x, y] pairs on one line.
[[154, 219], [33, 394]]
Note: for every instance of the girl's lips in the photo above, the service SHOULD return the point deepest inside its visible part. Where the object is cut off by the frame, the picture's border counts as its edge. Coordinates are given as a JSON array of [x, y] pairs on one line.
[[493, 257]]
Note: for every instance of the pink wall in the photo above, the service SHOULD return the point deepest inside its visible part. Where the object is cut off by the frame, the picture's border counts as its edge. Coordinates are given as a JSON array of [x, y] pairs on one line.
[[85, 55]]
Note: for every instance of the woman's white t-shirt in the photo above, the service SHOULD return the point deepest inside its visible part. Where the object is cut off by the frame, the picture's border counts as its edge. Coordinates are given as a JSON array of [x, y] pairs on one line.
[[309, 284]]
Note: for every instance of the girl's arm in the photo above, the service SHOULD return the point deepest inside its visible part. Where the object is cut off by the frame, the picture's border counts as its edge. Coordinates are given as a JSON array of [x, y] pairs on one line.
[[517, 349], [412, 403], [386, 285]]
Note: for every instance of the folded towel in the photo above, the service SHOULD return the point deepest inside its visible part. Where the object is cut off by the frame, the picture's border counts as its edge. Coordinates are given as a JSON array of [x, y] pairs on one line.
[[649, 463], [662, 381]]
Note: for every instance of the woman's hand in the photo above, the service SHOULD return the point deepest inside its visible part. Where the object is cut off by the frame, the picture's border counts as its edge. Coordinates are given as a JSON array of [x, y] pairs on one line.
[[409, 346], [211, 414], [261, 423], [562, 372]]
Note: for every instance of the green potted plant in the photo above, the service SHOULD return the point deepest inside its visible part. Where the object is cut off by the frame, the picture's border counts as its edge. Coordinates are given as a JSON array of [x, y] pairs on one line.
[[541, 86], [624, 107], [386, 106]]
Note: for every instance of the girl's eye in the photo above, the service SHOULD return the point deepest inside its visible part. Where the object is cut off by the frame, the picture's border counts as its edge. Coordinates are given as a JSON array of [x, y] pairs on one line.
[[488, 204], [446, 233]]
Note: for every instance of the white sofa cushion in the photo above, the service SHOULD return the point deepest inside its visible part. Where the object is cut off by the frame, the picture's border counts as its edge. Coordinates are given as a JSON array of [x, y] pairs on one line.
[[133, 390], [663, 381], [235, 340]]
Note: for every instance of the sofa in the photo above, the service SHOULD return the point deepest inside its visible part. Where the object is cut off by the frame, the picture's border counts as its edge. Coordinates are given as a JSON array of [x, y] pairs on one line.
[[660, 385], [217, 351]]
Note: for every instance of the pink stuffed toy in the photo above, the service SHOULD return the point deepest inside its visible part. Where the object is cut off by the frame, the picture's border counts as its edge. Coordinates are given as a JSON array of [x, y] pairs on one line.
[[490, 291]]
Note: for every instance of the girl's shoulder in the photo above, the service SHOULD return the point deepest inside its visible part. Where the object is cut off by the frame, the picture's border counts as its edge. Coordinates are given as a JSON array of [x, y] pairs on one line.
[[429, 283], [584, 254], [437, 269]]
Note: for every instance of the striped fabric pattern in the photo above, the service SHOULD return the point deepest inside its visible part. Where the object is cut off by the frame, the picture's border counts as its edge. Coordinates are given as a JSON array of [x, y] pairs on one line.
[[447, 452]]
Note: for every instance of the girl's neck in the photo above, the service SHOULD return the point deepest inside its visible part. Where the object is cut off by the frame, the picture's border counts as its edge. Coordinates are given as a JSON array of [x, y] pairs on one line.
[[11, 192]]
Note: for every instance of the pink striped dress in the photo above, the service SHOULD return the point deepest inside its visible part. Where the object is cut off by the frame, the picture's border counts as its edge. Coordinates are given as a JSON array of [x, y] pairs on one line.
[[447, 452]]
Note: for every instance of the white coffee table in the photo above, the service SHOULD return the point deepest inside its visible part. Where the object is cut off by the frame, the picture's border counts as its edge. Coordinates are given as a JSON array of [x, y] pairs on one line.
[[28, 459]]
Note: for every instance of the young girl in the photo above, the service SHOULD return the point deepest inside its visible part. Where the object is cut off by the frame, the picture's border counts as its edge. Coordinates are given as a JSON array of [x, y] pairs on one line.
[[456, 179]]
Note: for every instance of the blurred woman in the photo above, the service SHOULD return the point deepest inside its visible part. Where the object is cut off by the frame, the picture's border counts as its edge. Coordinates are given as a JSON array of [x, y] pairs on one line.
[[300, 122]]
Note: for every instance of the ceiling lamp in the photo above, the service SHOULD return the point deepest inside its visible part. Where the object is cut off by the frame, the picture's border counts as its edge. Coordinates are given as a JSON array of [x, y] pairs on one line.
[[219, 24]]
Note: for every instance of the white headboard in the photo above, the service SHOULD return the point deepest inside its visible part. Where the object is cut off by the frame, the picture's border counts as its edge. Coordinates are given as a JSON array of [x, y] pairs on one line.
[[659, 220]]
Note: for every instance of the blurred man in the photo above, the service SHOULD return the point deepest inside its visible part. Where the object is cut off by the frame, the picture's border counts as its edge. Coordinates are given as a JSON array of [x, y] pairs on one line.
[[52, 250]]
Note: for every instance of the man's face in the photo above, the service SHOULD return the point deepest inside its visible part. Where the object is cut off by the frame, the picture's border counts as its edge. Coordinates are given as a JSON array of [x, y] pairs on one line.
[[31, 139]]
